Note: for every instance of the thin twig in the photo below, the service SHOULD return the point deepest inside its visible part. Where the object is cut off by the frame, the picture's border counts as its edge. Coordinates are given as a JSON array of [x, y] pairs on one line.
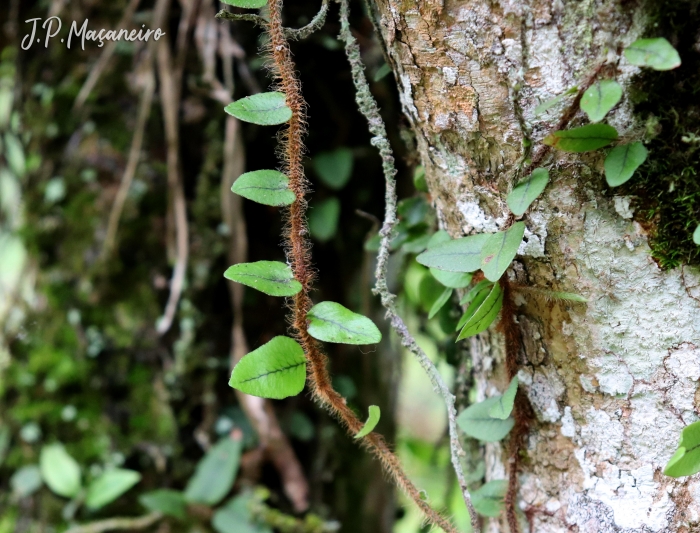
[[99, 67], [368, 107], [115, 524]]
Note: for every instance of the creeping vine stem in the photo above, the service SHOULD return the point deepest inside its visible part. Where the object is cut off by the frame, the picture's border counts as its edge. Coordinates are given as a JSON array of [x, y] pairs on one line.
[[299, 257]]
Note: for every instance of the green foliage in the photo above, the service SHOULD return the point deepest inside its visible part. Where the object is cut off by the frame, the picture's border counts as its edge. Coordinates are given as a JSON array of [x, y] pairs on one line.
[[264, 109], [488, 500], [656, 53], [334, 168], [166, 501], [525, 192], [504, 406], [248, 4], [471, 294], [331, 322], [268, 187], [476, 421], [419, 181], [500, 250], [323, 219], [583, 139], [686, 460], [26, 481], [440, 302], [215, 473], [622, 161], [600, 98], [482, 311], [276, 370], [236, 516], [372, 421], [545, 106], [459, 255], [453, 280], [109, 486], [60, 471], [271, 277], [696, 235]]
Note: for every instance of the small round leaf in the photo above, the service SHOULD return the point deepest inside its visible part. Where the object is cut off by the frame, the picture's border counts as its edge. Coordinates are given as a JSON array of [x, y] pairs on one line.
[[476, 422], [264, 109], [267, 187], [600, 98], [584, 139], [525, 192], [59, 470], [500, 250], [657, 53], [622, 161], [331, 322], [109, 486], [271, 277]]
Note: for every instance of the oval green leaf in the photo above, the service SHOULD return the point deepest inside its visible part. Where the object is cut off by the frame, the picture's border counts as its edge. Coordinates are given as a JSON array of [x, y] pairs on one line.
[[271, 277], [489, 500], [453, 280], [334, 168], [372, 421], [438, 237], [59, 470], [440, 302], [276, 370], [323, 219], [525, 192], [167, 501], [235, 516], [583, 139], [476, 289], [215, 472], [600, 98], [109, 486], [246, 4], [460, 255], [476, 422], [331, 322], [26, 481], [657, 53], [504, 406], [482, 312], [686, 460], [267, 187], [696, 235], [264, 109], [500, 250], [622, 161]]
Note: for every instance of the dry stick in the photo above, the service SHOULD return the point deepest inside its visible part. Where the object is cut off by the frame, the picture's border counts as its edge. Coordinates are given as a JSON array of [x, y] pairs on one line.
[[298, 252], [368, 107], [99, 67], [113, 524]]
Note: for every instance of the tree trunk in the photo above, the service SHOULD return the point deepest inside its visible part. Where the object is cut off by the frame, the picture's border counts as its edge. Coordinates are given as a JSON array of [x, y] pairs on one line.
[[611, 382]]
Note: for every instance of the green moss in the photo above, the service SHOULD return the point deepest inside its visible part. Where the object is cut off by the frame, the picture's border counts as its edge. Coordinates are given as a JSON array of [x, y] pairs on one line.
[[667, 185]]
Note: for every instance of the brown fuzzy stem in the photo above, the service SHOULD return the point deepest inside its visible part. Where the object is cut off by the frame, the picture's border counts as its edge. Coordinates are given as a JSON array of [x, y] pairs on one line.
[[298, 253]]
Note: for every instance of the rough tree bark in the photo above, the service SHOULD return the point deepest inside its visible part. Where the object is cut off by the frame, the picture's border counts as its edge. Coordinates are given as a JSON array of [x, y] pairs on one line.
[[612, 382]]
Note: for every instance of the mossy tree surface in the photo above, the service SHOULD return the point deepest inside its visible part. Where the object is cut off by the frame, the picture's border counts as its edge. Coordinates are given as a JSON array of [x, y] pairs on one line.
[[610, 383]]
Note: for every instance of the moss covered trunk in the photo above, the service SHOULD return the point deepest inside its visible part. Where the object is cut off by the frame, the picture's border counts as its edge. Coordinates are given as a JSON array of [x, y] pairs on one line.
[[612, 382]]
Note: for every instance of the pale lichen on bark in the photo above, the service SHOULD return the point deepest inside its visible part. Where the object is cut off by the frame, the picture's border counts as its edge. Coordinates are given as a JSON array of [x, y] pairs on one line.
[[612, 382]]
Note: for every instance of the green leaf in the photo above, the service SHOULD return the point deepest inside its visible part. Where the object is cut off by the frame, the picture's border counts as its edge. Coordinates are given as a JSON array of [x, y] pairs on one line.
[[248, 4], [4, 430], [419, 181], [488, 500], [481, 313], [696, 235], [548, 104], [59, 470], [381, 72], [504, 406], [323, 219], [235, 517], [271, 277], [583, 139], [264, 109], [26, 481], [166, 501], [460, 255], [453, 280], [476, 422], [525, 192], [334, 168], [267, 187], [600, 98], [438, 237], [686, 460], [413, 211], [372, 421], [276, 370], [571, 296], [109, 486], [476, 289], [440, 302], [215, 472], [622, 161], [331, 322], [500, 250], [657, 53]]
